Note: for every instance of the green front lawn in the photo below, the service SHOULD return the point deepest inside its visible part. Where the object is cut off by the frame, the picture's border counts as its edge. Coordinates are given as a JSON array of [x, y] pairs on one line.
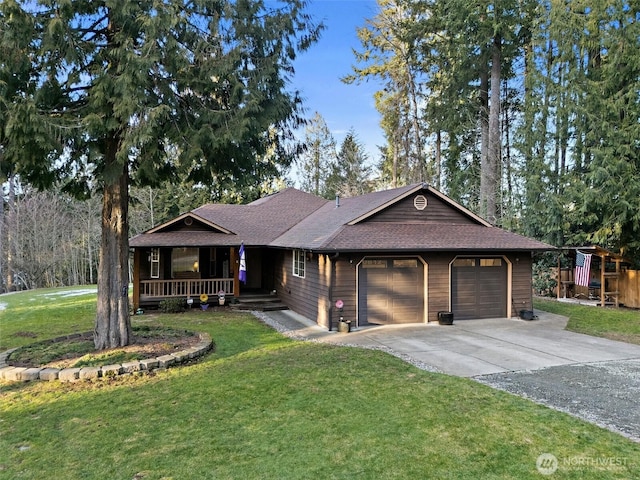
[[267, 407], [614, 323]]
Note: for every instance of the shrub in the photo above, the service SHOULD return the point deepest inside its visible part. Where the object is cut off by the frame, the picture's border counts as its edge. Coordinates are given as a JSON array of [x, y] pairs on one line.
[[172, 305], [544, 279]]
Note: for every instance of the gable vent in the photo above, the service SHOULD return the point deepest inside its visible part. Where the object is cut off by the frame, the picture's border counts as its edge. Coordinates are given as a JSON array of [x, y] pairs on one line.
[[188, 221], [420, 202]]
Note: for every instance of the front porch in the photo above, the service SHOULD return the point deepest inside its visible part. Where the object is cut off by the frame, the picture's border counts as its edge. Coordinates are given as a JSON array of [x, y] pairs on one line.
[[161, 273], [151, 292]]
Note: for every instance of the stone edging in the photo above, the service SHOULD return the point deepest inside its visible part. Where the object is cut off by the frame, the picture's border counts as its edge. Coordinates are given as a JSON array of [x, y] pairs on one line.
[[24, 374]]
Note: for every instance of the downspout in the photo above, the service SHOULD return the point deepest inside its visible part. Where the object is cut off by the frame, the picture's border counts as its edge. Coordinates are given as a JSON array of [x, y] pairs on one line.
[[333, 259]]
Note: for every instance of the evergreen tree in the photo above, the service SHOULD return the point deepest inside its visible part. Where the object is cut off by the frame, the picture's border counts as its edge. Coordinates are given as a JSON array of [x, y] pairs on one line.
[[611, 198], [388, 53], [317, 162], [352, 176], [143, 91]]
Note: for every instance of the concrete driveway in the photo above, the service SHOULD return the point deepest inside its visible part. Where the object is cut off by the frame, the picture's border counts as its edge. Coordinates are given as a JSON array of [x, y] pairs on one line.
[[592, 378], [471, 348]]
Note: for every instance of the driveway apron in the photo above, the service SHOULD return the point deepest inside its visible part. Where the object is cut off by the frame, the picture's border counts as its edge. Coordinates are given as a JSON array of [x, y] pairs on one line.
[[593, 378]]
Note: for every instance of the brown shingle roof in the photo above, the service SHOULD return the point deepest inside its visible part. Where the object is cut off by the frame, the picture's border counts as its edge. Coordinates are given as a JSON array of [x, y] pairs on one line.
[[295, 219], [315, 231], [394, 236], [255, 224]]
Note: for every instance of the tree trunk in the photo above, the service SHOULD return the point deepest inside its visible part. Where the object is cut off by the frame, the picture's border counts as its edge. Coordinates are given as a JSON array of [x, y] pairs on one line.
[[113, 325], [415, 122], [484, 140], [493, 159], [11, 227], [438, 158], [3, 230], [506, 165]]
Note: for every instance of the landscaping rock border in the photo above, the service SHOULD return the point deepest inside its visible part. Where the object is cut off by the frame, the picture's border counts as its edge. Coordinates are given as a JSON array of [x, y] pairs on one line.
[[24, 374]]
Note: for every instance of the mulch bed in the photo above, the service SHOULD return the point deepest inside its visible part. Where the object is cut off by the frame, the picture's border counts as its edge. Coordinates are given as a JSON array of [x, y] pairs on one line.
[[149, 343]]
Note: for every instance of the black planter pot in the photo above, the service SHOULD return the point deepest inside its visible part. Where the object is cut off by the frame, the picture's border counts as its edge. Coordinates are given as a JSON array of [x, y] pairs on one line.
[[445, 318], [527, 314]]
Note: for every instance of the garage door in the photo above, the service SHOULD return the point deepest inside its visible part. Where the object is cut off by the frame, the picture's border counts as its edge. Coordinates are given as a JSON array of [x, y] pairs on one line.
[[390, 290], [479, 288]]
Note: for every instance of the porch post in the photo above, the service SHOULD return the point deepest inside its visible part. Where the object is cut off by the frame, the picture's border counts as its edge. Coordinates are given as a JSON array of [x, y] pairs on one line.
[[136, 278], [603, 259], [559, 287], [236, 267], [617, 290]]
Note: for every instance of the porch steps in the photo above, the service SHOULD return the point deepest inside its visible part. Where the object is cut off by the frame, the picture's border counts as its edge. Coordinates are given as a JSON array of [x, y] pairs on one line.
[[261, 303]]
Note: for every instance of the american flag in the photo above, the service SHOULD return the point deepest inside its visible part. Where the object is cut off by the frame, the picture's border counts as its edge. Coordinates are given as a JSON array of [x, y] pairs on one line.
[[583, 266]]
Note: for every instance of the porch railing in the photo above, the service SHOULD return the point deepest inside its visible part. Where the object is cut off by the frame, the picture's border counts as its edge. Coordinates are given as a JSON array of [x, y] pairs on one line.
[[155, 289]]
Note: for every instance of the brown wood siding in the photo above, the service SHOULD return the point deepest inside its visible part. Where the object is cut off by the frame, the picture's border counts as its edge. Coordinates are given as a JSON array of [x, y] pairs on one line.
[[307, 296], [436, 211], [438, 286], [195, 226], [522, 288], [630, 288], [344, 288], [310, 296], [145, 263]]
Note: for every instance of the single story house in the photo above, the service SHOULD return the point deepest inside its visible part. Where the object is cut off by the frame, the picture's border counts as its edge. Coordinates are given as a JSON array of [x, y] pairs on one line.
[[395, 256]]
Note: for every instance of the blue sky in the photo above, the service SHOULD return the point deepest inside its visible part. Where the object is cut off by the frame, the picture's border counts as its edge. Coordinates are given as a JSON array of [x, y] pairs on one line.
[[318, 73]]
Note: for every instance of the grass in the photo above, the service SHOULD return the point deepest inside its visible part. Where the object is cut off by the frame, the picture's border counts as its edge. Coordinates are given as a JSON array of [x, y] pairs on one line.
[[48, 313], [267, 407], [621, 324]]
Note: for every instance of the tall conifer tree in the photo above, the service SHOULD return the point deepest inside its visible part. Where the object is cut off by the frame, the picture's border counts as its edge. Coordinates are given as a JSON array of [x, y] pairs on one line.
[[141, 91]]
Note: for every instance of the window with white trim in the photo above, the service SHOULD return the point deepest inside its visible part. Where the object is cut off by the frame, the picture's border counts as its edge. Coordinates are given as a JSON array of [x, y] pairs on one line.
[[299, 262], [155, 262]]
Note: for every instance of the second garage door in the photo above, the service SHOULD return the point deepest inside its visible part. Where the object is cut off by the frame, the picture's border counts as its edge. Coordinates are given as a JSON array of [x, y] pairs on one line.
[[390, 290], [479, 288]]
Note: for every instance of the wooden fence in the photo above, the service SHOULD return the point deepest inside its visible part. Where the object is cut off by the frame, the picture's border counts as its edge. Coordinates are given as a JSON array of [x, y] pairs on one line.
[[630, 288]]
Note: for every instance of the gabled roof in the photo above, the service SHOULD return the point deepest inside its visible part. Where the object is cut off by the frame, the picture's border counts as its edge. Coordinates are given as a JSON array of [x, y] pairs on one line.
[[315, 231], [295, 219], [255, 224], [188, 219], [411, 189]]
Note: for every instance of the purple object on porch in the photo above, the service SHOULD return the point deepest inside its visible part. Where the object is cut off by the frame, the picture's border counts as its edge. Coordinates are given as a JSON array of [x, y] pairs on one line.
[[242, 276]]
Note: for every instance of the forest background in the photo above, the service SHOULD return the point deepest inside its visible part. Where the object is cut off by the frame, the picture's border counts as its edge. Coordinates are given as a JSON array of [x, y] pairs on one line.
[[526, 112]]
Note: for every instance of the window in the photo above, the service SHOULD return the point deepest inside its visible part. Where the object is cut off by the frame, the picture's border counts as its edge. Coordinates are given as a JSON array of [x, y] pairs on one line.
[[405, 263], [490, 262], [464, 262], [184, 260], [155, 262], [298, 263], [374, 263]]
